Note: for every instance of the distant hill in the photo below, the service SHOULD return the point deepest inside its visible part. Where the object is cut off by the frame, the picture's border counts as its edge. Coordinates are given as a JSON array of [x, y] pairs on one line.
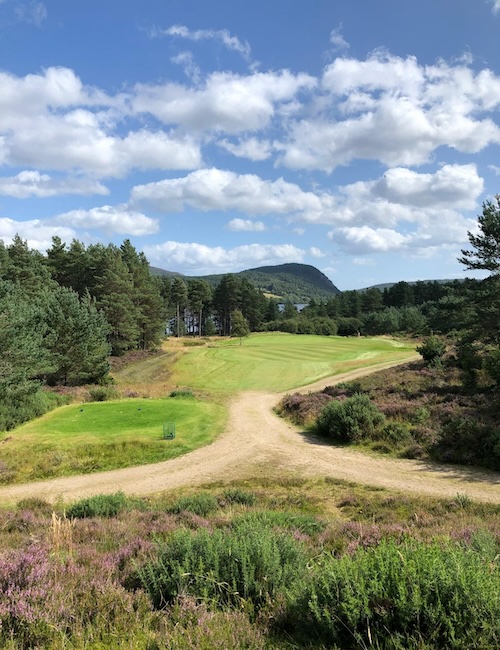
[[388, 285], [298, 283], [169, 274]]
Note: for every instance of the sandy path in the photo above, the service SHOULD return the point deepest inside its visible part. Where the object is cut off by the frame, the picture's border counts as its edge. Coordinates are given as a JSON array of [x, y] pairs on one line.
[[258, 443]]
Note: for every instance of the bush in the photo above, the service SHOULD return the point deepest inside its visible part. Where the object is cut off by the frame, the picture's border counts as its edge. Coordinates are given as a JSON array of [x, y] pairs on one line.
[[101, 505], [245, 565], [468, 442], [200, 504], [303, 523], [183, 394], [432, 350], [235, 495], [350, 420], [102, 394], [396, 596]]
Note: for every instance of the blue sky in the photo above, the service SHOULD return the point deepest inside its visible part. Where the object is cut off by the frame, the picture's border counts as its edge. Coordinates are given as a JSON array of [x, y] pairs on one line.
[[359, 136]]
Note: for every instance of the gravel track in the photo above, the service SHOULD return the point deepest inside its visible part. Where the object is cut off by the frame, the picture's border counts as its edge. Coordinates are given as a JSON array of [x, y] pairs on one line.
[[258, 443]]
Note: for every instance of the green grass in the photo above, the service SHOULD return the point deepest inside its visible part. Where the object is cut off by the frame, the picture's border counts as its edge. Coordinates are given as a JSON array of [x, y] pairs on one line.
[[107, 435], [278, 361]]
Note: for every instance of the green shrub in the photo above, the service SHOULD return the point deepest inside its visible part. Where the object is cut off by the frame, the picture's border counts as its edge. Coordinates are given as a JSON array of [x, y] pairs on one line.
[[201, 504], [432, 350], [101, 505], [244, 566], [396, 596], [235, 495], [306, 524], [102, 394], [350, 420], [183, 394], [396, 433], [465, 441]]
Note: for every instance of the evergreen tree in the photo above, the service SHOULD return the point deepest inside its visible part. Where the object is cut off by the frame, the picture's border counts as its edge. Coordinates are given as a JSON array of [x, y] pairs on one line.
[[179, 299], [227, 298], [239, 325], [78, 344], [24, 357], [26, 268], [113, 290], [199, 295], [146, 297]]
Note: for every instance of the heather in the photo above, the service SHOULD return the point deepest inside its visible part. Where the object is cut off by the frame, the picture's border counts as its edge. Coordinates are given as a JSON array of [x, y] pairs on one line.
[[413, 411], [268, 564]]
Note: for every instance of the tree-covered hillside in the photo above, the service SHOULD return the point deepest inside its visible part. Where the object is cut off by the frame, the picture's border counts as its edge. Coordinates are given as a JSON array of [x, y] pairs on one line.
[[298, 283]]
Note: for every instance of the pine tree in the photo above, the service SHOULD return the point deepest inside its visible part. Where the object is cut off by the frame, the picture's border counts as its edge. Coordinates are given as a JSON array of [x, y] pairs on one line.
[[200, 295], [179, 299], [147, 299]]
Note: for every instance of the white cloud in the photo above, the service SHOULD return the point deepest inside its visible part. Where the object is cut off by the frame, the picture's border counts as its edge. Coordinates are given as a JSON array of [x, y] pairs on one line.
[[396, 111], [110, 219], [316, 252], [495, 168], [37, 233], [246, 225], [363, 261], [253, 149], [201, 259], [227, 102], [367, 240], [496, 6], [215, 189], [191, 70], [33, 183], [299, 231], [221, 35], [366, 216], [337, 39], [51, 121]]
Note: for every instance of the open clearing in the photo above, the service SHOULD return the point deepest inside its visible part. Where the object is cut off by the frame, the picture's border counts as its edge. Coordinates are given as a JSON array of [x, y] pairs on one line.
[[256, 443]]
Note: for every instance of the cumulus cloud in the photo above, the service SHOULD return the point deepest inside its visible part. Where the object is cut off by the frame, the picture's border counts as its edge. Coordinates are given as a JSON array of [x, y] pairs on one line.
[[396, 111], [110, 219], [206, 259], [316, 252], [252, 148], [37, 233], [246, 225], [52, 121], [496, 6], [33, 183], [366, 215], [227, 102], [215, 189]]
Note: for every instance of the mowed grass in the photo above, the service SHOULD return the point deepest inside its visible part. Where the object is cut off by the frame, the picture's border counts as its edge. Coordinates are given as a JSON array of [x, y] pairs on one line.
[[106, 435], [278, 361]]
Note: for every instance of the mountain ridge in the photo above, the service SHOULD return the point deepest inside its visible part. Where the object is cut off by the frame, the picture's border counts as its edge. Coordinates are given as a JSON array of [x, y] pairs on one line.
[[290, 282]]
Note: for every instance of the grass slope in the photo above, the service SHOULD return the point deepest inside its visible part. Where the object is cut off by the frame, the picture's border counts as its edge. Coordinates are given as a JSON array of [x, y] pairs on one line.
[[278, 361], [107, 435]]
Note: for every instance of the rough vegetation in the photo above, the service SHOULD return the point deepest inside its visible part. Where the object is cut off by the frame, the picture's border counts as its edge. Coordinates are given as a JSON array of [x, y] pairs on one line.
[[270, 565], [414, 411]]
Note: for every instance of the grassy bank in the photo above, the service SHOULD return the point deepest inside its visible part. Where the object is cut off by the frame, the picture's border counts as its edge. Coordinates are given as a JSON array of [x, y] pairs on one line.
[[98, 436]]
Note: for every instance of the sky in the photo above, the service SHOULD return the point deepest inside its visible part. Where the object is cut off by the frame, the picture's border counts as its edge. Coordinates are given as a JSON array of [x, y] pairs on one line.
[[359, 136]]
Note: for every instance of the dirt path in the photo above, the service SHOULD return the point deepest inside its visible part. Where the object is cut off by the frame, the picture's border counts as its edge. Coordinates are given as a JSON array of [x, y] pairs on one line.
[[258, 443]]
